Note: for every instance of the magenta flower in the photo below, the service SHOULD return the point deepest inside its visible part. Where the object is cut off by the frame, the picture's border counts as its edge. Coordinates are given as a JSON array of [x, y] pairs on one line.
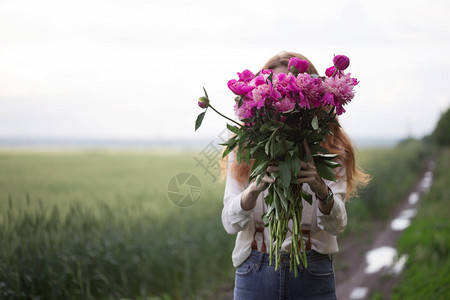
[[259, 80], [246, 109], [261, 93], [246, 76], [264, 90], [331, 71], [300, 65], [284, 105], [282, 82], [341, 62], [327, 99], [239, 88], [342, 89], [310, 90]]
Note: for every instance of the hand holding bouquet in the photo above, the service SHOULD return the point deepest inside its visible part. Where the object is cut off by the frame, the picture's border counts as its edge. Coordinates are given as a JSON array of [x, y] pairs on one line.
[[284, 118]]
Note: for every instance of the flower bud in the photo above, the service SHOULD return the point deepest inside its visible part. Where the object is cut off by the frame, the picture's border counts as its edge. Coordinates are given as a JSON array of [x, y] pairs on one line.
[[341, 62], [203, 102], [299, 65], [330, 71]]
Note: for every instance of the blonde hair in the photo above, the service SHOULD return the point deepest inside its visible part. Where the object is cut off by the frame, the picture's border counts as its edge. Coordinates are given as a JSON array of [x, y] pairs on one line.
[[338, 142]]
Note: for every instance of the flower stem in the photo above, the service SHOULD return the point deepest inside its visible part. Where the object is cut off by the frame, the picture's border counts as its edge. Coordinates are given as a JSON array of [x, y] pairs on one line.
[[224, 116]]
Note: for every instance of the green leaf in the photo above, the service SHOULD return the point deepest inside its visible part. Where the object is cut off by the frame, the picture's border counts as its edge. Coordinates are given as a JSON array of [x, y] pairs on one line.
[[317, 148], [331, 164], [233, 129], [206, 94], [304, 134], [285, 174], [269, 200], [281, 196], [267, 147], [230, 141], [307, 197], [228, 150], [288, 144], [278, 150], [259, 168], [324, 156], [199, 120], [259, 179], [295, 164], [325, 171], [315, 137], [241, 101], [247, 156], [315, 123], [239, 155]]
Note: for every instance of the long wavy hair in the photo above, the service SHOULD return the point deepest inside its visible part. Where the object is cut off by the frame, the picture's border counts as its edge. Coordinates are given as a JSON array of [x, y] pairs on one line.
[[337, 143]]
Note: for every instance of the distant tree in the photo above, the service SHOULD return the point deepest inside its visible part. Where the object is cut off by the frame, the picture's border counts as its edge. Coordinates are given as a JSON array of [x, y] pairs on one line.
[[441, 134]]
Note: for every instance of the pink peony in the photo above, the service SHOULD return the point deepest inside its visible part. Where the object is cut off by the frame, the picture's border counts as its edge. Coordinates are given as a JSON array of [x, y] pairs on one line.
[[282, 82], [239, 87], [246, 109], [342, 89], [246, 76], [310, 88], [259, 80], [300, 65], [327, 99], [284, 105], [264, 90]]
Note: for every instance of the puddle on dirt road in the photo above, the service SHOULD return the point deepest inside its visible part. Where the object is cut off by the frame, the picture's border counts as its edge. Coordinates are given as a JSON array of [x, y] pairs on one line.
[[426, 182], [359, 292], [403, 220], [413, 198], [384, 257]]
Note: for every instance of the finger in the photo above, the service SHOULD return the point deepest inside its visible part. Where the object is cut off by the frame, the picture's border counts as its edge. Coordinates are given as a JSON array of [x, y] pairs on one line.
[[305, 174], [268, 179], [272, 169], [307, 180], [308, 156], [305, 165]]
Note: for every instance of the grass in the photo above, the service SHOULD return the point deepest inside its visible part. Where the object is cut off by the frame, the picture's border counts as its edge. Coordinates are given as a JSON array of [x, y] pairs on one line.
[[93, 225], [427, 242], [99, 225], [394, 171]]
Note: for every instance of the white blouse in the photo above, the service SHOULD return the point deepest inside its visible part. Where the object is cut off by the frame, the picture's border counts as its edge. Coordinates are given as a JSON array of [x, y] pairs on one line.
[[324, 228]]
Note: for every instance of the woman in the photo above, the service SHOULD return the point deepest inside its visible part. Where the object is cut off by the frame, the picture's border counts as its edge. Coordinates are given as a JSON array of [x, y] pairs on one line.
[[321, 222]]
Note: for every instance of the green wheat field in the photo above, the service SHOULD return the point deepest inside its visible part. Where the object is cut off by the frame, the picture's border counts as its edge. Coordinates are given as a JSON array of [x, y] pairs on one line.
[[101, 225]]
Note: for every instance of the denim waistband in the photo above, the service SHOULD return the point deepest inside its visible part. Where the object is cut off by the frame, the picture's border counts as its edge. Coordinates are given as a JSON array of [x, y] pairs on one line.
[[264, 258]]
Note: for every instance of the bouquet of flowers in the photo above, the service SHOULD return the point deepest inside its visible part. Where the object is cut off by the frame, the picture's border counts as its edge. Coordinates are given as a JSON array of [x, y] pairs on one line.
[[279, 113]]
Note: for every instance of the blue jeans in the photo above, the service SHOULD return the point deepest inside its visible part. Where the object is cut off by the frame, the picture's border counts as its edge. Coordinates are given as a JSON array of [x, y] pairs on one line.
[[255, 279]]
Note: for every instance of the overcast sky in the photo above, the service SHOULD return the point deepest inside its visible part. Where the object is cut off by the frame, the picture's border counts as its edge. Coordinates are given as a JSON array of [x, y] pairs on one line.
[[135, 68]]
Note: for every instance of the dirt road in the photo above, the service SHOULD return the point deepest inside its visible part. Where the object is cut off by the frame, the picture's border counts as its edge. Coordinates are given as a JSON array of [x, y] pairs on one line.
[[372, 264]]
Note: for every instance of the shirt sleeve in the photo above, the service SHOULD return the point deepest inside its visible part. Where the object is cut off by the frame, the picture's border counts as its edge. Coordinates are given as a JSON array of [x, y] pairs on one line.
[[336, 222], [234, 218]]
